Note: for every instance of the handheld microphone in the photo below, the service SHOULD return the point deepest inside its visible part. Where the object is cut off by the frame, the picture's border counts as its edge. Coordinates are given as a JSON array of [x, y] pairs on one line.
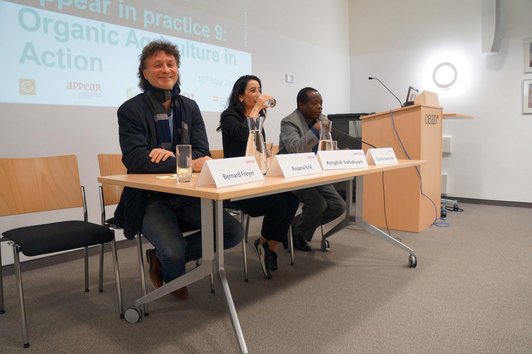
[[386, 87], [321, 118]]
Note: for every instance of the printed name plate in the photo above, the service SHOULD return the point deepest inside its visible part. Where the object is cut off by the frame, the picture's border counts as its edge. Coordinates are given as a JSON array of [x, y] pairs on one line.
[[292, 165], [381, 156], [342, 159], [229, 172]]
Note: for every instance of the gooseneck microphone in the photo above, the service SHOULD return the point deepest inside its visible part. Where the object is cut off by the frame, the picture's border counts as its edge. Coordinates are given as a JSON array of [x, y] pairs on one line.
[[363, 142], [347, 137], [386, 87]]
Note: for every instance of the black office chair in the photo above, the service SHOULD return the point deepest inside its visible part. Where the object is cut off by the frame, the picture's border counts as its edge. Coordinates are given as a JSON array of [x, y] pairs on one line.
[[42, 184]]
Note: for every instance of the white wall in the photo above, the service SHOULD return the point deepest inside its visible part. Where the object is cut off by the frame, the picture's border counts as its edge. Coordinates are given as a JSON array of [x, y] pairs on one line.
[[402, 41], [310, 42]]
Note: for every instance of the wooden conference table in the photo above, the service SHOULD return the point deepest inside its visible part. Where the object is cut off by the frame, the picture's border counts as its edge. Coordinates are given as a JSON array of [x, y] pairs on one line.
[[212, 221]]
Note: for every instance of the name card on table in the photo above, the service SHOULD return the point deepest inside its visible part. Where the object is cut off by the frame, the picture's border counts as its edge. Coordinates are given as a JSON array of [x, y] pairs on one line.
[[342, 159], [229, 172], [381, 156], [292, 165]]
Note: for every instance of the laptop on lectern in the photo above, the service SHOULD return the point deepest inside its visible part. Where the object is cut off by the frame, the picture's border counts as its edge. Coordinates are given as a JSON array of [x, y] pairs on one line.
[[411, 96]]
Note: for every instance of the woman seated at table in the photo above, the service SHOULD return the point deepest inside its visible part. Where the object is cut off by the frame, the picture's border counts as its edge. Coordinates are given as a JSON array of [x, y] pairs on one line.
[[247, 100]]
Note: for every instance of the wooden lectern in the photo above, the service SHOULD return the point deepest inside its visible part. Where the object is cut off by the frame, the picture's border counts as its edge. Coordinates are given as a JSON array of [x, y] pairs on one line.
[[419, 128]]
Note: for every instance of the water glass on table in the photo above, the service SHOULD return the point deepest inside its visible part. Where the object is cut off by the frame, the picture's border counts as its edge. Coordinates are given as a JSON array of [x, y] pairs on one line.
[[183, 158], [332, 145], [327, 145]]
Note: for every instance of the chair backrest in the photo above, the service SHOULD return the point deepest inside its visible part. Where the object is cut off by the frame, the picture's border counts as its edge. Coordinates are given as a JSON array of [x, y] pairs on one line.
[[111, 164], [39, 184]]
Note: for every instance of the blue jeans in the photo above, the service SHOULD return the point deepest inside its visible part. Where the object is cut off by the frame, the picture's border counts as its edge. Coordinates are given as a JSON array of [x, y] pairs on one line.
[[165, 219]]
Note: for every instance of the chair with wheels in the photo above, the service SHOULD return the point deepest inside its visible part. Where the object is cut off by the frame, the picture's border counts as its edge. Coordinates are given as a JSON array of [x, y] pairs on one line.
[[44, 184]]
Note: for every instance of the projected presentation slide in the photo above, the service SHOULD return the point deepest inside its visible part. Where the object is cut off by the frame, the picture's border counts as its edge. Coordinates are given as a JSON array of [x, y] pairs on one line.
[[50, 57]]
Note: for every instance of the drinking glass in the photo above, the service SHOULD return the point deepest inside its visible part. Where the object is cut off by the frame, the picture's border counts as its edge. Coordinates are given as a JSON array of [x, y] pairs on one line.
[[330, 145], [270, 103], [183, 158]]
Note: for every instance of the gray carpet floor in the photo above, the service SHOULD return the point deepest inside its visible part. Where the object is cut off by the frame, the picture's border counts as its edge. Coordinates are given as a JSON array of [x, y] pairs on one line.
[[470, 293]]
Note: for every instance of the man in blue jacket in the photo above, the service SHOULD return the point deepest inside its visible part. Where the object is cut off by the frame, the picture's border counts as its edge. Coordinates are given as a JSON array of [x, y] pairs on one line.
[[151, 124]]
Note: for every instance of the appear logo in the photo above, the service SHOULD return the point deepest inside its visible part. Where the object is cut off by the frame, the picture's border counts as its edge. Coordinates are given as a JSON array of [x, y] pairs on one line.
[[83, 86], [85, 89], [26, 87]]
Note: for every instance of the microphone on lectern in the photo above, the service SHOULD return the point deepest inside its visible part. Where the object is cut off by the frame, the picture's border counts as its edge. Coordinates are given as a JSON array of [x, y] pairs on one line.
[[346, 136], [386, 87]]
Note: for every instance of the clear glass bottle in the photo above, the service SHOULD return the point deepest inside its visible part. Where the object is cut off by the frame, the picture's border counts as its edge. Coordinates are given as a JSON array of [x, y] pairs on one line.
[[255, 146], [325, 134]]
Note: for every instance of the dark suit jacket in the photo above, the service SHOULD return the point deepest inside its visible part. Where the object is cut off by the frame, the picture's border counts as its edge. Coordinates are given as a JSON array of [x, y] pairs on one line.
[[137, 132]]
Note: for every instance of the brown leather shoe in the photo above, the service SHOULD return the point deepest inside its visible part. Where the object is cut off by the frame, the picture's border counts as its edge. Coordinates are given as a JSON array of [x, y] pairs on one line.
[[155, 268], [181, 293]]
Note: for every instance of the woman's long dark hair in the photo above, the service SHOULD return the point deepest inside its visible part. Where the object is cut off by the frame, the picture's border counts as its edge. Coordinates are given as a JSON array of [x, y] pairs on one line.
[[238, 89]]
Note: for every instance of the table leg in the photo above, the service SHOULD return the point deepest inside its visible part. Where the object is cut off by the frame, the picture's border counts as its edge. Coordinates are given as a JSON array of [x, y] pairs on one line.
[[218, 209]]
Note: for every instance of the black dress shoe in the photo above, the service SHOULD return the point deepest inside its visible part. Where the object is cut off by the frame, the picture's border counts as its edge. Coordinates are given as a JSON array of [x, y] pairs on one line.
[[301, 244], [155, 268]]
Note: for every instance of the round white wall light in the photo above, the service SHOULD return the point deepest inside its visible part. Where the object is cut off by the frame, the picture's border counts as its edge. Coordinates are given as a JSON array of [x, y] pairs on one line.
[[444, 75]]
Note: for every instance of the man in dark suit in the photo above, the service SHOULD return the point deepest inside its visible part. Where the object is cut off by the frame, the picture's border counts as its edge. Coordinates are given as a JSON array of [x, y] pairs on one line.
[[300, 132], [151, 124]]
